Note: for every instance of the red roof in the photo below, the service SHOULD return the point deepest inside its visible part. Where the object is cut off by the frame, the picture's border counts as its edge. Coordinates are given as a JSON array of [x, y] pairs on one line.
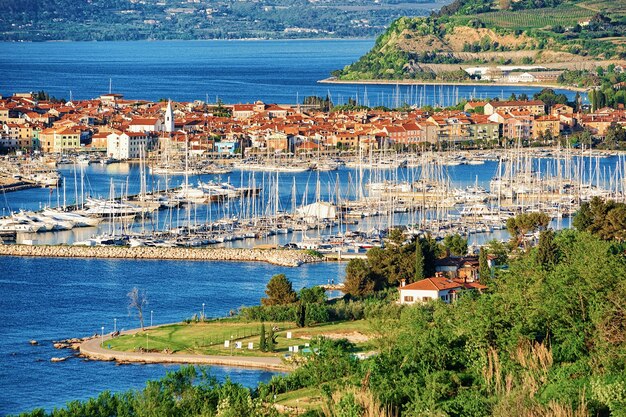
[[442, 283]]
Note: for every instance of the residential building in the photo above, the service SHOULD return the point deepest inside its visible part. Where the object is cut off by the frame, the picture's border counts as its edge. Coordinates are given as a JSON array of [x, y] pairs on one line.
[[128, 145], [435, 288], [534, 107]]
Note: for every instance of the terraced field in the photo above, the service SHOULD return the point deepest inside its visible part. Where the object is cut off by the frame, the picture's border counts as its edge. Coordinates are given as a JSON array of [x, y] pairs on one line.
[[566, 16]]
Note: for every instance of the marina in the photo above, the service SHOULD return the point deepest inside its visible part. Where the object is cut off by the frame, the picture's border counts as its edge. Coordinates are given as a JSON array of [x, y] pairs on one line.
[[345, 210]]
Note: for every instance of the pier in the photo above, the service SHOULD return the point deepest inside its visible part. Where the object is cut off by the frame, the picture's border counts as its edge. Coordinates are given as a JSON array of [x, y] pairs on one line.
[[281, 257]]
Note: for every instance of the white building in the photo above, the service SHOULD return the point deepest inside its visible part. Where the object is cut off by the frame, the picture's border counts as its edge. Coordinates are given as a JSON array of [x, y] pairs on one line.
[[128, 145], [437, 288]]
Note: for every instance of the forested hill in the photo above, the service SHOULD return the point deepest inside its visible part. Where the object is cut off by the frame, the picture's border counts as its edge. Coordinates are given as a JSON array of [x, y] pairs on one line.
[[39, 20], [563, 34]]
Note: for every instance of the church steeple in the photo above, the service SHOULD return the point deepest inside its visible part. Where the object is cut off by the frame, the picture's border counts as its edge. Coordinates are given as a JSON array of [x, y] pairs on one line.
[[169, 118]]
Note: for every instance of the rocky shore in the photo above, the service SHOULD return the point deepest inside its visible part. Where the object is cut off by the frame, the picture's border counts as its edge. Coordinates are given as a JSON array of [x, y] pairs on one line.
[[282, 257]]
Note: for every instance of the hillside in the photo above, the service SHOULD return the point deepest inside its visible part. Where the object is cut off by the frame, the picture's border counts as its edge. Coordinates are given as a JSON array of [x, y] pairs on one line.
[[37, 20], [573, 34]]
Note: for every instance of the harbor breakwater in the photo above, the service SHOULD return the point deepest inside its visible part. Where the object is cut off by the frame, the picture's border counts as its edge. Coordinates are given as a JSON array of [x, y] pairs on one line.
[[281, 257]]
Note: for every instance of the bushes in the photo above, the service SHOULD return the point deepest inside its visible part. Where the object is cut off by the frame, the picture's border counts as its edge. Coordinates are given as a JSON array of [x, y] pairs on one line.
[[278, 313]]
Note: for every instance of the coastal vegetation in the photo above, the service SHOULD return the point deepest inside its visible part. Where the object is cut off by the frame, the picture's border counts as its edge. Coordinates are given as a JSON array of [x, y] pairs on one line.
[[545, 338], [481, 32]]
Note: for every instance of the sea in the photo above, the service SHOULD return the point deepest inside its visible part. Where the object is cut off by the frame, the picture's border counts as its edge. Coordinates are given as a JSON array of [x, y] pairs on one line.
[[52, 299], [279, 71]]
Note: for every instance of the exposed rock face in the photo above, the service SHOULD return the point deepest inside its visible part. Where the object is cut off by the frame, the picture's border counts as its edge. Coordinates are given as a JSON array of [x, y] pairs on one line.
[[282, 257]]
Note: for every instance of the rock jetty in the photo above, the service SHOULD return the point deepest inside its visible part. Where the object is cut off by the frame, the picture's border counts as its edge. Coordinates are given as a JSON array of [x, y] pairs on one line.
[[282, 257]]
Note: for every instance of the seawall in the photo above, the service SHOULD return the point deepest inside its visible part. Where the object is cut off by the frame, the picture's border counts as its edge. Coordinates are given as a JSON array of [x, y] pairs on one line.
[[282, 257]]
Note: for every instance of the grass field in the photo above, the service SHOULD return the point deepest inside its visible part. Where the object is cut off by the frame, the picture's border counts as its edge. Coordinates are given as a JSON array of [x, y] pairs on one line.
[[302, 399], [208, 338]]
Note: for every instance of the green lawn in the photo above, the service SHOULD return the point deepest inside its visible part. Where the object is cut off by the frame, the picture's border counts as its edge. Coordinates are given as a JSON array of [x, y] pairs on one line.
[[305, 399], [208, 338]]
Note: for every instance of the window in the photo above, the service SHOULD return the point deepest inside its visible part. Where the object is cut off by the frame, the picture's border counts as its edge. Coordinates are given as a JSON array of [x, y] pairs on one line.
[[408, 298], [426, 299]]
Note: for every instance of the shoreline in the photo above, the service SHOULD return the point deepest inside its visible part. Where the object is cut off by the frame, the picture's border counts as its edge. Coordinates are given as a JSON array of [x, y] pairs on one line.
[[280, 257], [91, 349], [332, 80]]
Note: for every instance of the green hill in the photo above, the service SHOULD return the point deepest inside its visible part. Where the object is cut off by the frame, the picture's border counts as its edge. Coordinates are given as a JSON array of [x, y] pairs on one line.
[[563, 34], [38, 20]]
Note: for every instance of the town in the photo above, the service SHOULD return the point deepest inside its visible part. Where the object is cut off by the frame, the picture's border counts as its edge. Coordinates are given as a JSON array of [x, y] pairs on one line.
[[121, 129]]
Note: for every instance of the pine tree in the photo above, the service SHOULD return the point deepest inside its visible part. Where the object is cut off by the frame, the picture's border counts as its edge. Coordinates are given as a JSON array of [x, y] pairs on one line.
[[483, 267], [547, 250], [419, 261], [263, 340], [279, 291]]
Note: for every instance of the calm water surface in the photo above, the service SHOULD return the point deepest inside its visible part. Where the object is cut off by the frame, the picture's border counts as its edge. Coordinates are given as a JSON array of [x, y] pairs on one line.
[[235, 71], [50, 299]]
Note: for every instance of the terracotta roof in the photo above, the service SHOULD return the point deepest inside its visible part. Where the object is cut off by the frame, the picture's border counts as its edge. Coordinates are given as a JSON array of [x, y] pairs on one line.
[[433, 284], [442, 283], [516, 103]]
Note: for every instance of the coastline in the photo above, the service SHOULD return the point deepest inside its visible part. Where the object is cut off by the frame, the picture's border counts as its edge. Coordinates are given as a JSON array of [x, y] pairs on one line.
[[280, 257], [332, 80], [91, 349]]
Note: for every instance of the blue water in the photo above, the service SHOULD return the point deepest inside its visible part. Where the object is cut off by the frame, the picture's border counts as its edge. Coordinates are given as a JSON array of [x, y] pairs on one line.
[[48, 299], [235, 71], [51, 299]]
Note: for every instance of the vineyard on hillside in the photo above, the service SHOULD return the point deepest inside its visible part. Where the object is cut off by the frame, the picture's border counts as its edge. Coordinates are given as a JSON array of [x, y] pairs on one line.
[[566, 16]]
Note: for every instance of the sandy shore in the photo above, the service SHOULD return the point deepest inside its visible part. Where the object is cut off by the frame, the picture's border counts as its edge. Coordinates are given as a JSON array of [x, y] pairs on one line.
[[282, 257], [92, 350], [476, 84]]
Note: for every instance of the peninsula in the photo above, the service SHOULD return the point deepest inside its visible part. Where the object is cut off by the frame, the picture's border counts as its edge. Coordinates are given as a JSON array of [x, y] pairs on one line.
[[558, 42]]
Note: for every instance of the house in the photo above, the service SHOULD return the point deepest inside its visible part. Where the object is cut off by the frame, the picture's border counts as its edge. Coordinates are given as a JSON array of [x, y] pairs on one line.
[[559, 109], [435, 288], [464, 268], [243, 111], [226, 147], [147, 124], [546, 125], [111, 100], [534, 107], [59, 139], [128, 145], [473, 105]]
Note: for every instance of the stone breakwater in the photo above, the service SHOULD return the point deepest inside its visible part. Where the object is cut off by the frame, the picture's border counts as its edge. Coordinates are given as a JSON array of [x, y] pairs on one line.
[[282, 257]]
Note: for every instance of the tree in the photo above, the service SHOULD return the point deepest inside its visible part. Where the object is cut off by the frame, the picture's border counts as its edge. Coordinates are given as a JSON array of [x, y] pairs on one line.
[[455, 244], [547, 250], [301, 314], [419, 262], [279, 291], [271, 340], [359, 281], [524, 223], [263, 339], [137, 300], [313, 295], [483, 266], [498, 250], [606, 220]]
